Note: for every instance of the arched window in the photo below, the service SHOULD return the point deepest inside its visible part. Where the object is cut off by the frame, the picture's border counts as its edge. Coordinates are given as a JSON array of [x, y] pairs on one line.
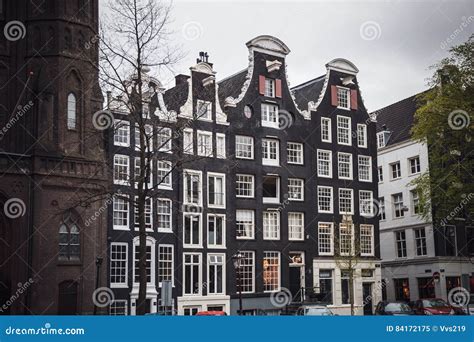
[[71, 111], [69, 239]]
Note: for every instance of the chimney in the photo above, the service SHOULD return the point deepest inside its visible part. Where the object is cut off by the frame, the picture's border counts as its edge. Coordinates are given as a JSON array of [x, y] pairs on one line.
[[181, 79]]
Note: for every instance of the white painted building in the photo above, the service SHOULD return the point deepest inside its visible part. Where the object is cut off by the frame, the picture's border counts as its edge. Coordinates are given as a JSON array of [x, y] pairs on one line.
[[417, 261]]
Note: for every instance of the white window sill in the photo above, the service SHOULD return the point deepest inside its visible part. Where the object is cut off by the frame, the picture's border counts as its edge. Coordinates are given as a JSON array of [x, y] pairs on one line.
[[161, 230], [270, 163], [118, 286], [325, 212], [268, 200], [122, 144], [324, 176], [164, 187], [245, 238], [121, 228], [344, 108]]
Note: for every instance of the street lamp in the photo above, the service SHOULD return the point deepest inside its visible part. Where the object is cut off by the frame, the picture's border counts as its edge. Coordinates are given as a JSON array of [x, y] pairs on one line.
[[237, 259], [98, 263]]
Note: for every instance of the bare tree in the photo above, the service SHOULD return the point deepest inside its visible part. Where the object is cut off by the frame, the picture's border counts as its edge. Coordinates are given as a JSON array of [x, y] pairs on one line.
[[347, 255], [134, 40]]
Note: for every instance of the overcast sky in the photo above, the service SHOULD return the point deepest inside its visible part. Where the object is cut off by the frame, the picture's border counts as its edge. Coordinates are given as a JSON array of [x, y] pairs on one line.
[[393, 43]]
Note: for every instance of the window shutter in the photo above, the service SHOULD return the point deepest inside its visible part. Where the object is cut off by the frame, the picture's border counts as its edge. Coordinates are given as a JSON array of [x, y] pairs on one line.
[[334, 95], [261, 84], [278, 88], [354, 99]]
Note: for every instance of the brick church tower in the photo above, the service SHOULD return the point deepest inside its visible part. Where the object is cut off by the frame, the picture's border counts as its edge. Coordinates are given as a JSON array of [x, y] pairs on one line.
[[51, 157]]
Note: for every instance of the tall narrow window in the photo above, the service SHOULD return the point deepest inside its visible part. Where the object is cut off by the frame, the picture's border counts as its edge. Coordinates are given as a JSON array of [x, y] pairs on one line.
[[247, 271], [365, 168], [216, 190], [150, 260], [69, 239], [71, 111], [361, 135], [325, 238], [215, 231], [164, 207], [366, 240], [401, 242], [343, 130], [344, 165], [216, 274], [296, 226], [192, 230], [346, 242], [270, 152], [192, 187], [324, 163], [420, 241], [346, 202], [271, 225], [188, 142], [398, 208], [118, 264], [192, 277], [165, 263], [271, 271], [326, 130], [325, 201], [245, 224]]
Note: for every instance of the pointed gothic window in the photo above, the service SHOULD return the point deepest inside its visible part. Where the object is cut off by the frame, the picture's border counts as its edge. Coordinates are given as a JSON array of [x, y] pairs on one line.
[[71, 111], [69, 238]]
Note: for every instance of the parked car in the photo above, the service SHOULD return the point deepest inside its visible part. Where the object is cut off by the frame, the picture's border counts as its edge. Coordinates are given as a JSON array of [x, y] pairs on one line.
[[393, 308], [314, 310], [433, 306], [211, 313]]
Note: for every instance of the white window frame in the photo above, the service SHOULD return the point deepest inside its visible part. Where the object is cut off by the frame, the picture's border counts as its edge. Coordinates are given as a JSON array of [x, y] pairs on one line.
[[269, 87], [223, 278], [199, 280], [397, 200], [188, 141], [169, 184], [327, 121], [278, 255], [214, 245], [127, 211], [323, 235], [380, 139], [352, 201], [252, 267], [417, 165], [360, 162], [191, 244], [164, 133], [185, 186], [160, 283], [300, 186], [238, 180], [125, 307], [273, 200], [362, 135], [122, 131], [271, 232], [266, 112], [149, 131], [148, 214], [220, 146], [380, 174], [329, 161], [136, 173], [152, 243], [252, 224], [294, 216], [119, 284], [351, 235], [208, 116], [240, 143], [347, 92], [395, 165], [366, 205], [164, 230], [267, 144], [423, 240], [331, 200], [370, 236], [345, 130], [205, 150], [216, 175], [122, 165], [298, 150], [350, 166]]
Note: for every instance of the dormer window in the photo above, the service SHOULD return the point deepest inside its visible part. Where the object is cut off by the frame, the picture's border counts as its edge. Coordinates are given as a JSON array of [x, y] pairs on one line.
[[269, 87], [382, 138], [343, 98], [204, 110]]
